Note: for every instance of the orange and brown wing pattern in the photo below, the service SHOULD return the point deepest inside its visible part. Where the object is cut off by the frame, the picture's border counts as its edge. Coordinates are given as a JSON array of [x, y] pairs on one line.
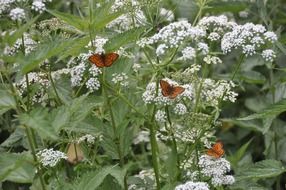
[[216, 151], [166, 88], [169, 90], [97, 59], [110, 58]]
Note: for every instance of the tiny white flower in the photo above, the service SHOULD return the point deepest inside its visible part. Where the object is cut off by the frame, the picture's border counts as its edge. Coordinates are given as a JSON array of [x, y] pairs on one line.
[[88, 138], [92, 84], [190, 185], [120, 78], [188, 53]]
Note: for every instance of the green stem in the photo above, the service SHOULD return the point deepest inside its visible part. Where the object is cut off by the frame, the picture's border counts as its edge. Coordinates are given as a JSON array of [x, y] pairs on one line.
[[33, 150], [175, 149], [58, 99], [202, 4], [117, 138]]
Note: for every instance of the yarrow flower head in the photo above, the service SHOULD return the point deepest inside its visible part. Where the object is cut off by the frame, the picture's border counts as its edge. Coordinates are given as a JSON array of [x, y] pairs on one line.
[[190, 185], [216, 168], [173, 35], [160, 116], [250, 38], [17, 14], [188, 53], [92, 84], [38, 6], [180, 109], [268, 55], [50, 157], [99, 43], [120, 78], [88, 138]]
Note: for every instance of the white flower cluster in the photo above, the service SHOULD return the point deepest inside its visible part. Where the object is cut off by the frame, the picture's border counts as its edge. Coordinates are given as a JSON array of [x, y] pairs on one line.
[[30, 45], [180, 109], [120, 78], [136, 67], [213, 91], [160, 116], [50, 157], [5, 5], [17, 14], [190, 185], [133, 18], [88, 138], [189, 53], [78, 70], [216, 168], [250, 38], [38, 6], [268, 55], [216, 26], [142, 137], [98, 43], [172, 36], [212, 60]]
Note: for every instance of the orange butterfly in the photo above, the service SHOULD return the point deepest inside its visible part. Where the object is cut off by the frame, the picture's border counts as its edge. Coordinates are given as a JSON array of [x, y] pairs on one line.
[[103, 60], [216, 150], [169, 90]]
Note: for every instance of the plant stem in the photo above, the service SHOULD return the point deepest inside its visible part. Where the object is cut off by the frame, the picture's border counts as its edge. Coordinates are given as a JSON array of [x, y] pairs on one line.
[[175, 149], [32, 146], [117, 138], [58, 99], [202, 4]]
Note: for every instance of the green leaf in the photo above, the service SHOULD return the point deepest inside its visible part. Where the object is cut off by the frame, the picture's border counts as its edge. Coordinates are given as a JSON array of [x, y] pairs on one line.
[[122, 39], [102, 20], [252, 125], [72, 20], [271, 111], [253, 77], [45, 51], [11, 39], [38, 120], [7, 101], [261, 170], [16, 167], [235, 158], [93, 180]]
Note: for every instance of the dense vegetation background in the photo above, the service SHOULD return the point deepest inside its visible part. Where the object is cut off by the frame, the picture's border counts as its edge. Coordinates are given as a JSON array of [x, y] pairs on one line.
[[69, 124]]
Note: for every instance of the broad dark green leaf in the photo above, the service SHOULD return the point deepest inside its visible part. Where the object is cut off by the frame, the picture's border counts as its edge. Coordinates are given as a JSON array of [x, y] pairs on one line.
[[43, 52], [253, 77], [7, 101], [272, 110], [39, 121], [93, 180], [16, 167], [261, 170], [237, 156], [122, 39]]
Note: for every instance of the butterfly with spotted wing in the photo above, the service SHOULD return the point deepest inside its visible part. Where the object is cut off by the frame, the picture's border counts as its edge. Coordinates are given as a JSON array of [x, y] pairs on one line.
[[216, 150], [103, 60], [169, 90]]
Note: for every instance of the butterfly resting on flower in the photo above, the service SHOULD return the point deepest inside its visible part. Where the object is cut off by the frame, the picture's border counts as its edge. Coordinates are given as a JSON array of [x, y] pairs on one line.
[[103, 60], [169, 90]]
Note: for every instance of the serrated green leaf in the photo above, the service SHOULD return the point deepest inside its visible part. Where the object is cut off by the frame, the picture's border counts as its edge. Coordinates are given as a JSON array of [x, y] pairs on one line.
[[16, 167], [39, 121], [235, 158], [93, 180], [272, 110], [7, 101], [43, 52], [121, 39], [102, 20], [72, 20], [261, 170]]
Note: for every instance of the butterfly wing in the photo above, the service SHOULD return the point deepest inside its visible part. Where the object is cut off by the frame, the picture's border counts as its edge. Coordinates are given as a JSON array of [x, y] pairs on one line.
[[110, 58], [165, 88], [216, 150], [177, 90], [74, 153], [97, 59]]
